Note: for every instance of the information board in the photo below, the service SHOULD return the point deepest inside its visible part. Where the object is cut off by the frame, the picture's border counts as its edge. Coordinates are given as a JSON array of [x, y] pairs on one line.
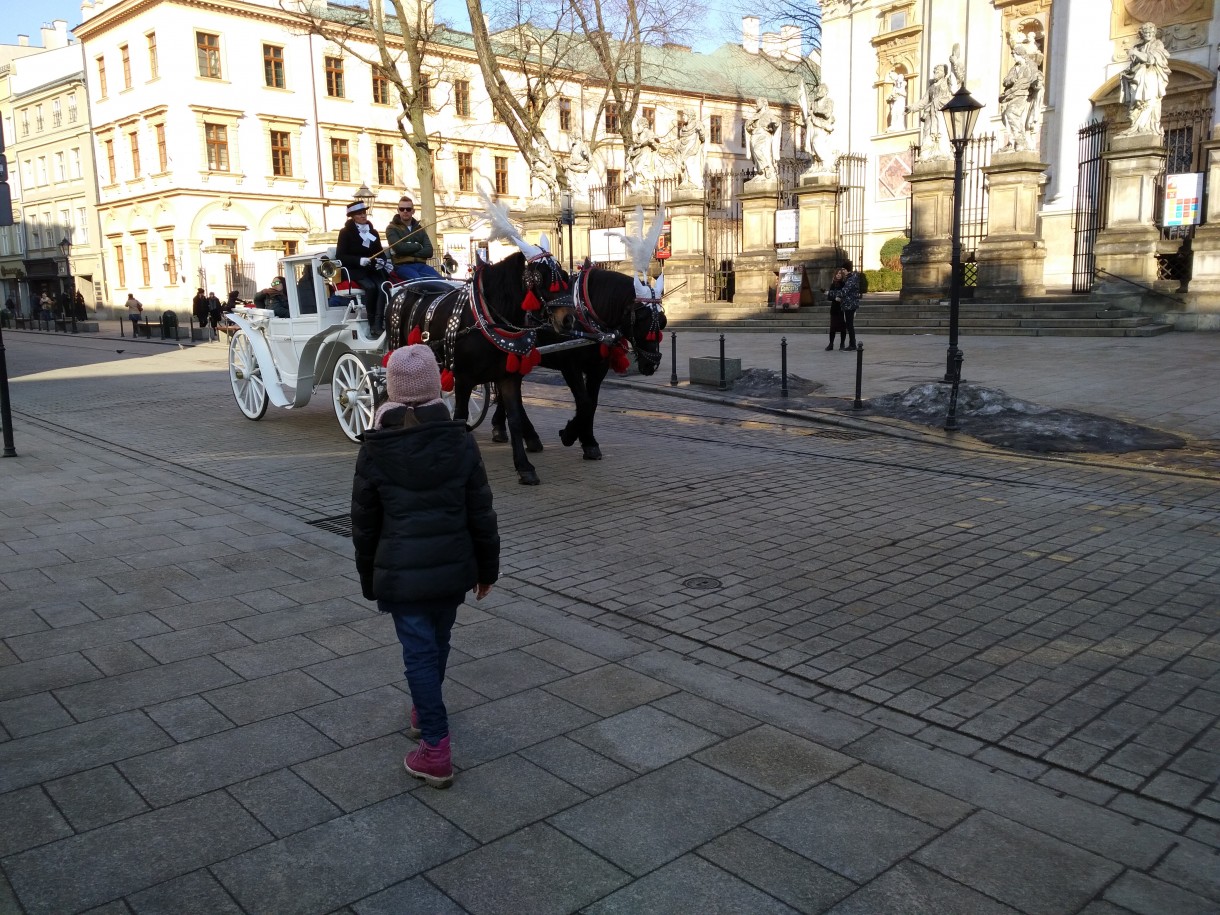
[[1183, 198], [789, 288], [787, 227]]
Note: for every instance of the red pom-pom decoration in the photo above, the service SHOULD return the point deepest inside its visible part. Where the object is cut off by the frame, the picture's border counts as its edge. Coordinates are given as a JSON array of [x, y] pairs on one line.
[[416, 336], [619, 361], [512, 363], [446, 380], [529, 361], [603, 350], [385, 360], [530, 302]]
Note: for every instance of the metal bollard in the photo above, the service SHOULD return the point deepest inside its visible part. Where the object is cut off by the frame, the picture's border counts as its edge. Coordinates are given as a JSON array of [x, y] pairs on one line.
[[951, 419], [724, 385], [783, 366], [673, 359], [859, 404]]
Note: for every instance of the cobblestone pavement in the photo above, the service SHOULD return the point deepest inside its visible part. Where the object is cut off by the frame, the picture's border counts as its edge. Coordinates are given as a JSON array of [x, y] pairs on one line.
[[747, 663]]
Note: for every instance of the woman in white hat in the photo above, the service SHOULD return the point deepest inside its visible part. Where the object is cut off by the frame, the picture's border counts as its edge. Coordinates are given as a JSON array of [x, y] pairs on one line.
[[358, 244]]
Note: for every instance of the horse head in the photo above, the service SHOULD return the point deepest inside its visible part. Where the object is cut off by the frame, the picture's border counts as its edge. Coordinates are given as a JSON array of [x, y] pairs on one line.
[[647, 320], [546, 286]]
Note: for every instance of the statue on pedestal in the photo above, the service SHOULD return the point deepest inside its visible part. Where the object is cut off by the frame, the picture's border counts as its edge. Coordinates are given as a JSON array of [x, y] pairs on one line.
[[689, 151], [933, 133], [1021, 96], [580, 165], [896, 101], [1142, 85], [544, 181], [762, 135], [818, 114], [640, 170]]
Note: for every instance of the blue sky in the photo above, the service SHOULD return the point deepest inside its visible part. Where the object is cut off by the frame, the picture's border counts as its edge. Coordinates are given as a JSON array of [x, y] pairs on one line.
[[723, 22]]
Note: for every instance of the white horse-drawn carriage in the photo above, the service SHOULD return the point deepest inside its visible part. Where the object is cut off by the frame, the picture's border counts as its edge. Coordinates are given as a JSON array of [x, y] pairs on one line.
[[283, 360]]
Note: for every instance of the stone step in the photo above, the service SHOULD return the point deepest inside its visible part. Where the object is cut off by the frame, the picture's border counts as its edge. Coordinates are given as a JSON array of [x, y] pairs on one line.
[[1089, 329]]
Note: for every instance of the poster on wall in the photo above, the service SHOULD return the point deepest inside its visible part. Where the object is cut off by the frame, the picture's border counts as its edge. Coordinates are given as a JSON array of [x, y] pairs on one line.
[[606, 246], [1183, 196], [787, 227], [792, 290]]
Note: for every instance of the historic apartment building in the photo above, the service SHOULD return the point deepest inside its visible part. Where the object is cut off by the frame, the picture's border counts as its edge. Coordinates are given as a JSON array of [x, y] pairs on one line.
[[879, 56], [225, 135]]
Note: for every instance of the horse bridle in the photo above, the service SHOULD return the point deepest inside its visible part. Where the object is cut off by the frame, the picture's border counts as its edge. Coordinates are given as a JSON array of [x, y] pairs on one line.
[[655, 313]]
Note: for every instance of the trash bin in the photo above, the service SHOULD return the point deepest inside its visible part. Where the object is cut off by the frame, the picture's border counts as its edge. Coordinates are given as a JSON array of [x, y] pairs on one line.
[[169, 325]]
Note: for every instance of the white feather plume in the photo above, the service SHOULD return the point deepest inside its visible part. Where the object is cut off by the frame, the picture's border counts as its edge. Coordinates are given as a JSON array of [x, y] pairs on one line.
[[641, 248], [501, 227]]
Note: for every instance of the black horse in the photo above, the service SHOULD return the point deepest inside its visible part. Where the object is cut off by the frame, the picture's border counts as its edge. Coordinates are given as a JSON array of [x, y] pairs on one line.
[[604, 306], [489, 329]]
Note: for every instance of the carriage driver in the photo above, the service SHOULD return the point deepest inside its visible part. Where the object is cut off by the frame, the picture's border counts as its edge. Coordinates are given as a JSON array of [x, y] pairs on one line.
[[409, 244], [358, 244]]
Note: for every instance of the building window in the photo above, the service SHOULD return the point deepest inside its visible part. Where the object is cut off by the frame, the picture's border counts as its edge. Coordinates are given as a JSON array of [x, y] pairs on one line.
[[230, 245], [501, 174], [216, 138], [170, 260], [381, 89], [120, 266], [60, 174], [565, 114], [76, 168], [465, 171], [207, 47], [385, 163], [614, 187], [611, 118], [162, 151], [144, 265], [334, 77], [109, 144], [425, 91], [715, 192], [38, 118], [715, 128], [281, 154], [57, 115], [340, 162], [81, 232], [650, 118], [42, 171], [154, 69], [25, 123], [101, 77], [71, 109], [290, 248], [897, 20], [134, 140], [273, 66], [125, 58], [461, 98]]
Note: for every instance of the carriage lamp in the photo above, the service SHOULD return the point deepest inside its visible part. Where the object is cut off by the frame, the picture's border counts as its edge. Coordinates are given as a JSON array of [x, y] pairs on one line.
[[364, 195], [961, 113]]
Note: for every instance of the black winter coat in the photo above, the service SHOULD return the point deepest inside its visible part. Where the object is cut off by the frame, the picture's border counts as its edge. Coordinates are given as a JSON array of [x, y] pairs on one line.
[[350, 247], [422, 518]]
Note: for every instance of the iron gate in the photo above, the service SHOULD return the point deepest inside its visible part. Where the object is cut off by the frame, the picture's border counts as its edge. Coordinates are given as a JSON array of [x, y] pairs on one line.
[[976, 157], [850, 241], [1185, 131], [1090, 199], [239, 275], [722, 230]]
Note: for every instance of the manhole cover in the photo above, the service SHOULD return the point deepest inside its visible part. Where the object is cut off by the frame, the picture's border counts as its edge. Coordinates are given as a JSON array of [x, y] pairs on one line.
[[702, 583]]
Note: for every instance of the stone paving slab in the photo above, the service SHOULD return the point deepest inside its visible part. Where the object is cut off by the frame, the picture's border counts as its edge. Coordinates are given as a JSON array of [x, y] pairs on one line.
[[827, 730]]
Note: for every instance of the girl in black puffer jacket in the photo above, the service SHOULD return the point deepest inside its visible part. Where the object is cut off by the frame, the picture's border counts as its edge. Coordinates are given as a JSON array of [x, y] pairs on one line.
[[425, 533]]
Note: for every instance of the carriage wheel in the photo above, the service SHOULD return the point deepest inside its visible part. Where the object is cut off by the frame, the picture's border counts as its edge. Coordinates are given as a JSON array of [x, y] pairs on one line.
[[249, 389], [480, 399], [351, 388]]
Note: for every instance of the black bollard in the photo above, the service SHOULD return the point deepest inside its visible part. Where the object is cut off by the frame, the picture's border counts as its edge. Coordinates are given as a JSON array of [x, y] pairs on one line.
[[859, 404], [673, 360], [724, 385], [951, 419], [783, 366]]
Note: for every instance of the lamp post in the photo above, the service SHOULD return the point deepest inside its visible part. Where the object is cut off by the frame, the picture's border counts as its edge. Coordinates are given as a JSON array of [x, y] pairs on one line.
[[364, 195], [961, 113], [65, 248]]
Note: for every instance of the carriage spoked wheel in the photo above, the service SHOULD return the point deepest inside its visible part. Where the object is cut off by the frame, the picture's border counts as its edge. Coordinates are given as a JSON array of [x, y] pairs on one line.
[[480, 400], [354, 393], [249, 389]]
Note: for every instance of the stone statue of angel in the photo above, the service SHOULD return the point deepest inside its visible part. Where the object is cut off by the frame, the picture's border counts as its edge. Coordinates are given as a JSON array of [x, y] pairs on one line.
[[689, 151], [1021, 94], [762, 135], [580, 165], [819, 120], [1143, 83]]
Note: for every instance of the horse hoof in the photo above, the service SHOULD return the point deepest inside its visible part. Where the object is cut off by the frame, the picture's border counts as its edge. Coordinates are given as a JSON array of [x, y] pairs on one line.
[[499, 435], [593, 454], [568, 438], [528, 479], [533, 445]]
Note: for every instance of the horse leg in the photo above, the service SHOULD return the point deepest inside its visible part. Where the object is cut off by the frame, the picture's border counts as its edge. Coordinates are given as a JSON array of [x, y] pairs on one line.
[[510, 396], [575, 380], [461, 397], [498, 433], [593, 386], [533, 444]]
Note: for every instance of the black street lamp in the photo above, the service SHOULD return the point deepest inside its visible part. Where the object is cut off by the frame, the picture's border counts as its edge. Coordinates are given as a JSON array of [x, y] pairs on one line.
[[365, 196], [65, 248], [961, 113]]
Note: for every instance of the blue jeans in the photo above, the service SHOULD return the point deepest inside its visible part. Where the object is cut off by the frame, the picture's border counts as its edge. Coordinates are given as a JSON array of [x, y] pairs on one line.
[[415, 272], [423, 630]]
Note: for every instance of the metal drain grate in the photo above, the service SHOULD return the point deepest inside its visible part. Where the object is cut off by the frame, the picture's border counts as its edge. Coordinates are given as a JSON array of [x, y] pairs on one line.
[[339, 524], [702, 583]]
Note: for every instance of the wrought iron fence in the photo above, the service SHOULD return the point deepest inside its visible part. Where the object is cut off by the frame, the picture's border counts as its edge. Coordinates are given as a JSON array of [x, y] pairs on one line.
[[1185, 131], [722, 230], [1090, 200], [977, 156], [850, 241], [239, 275]]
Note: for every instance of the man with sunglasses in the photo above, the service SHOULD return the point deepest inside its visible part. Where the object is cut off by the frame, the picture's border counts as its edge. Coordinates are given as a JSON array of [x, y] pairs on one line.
[[408, 244]]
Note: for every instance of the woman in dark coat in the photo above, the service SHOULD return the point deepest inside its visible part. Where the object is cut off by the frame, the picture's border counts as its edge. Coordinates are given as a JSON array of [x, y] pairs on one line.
[[425, 533], [356, 249], [199, 308], [844, 298]]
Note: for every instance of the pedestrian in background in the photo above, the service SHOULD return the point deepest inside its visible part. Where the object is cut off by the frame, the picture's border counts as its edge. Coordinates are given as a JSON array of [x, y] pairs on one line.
[[845, 293], [134, 309], [425, 533], [199, 308], [215, 312]]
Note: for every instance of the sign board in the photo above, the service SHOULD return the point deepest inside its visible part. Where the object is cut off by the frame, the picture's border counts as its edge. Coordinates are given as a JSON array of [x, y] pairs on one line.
[[1183, 196], [792, 289], [663, 243], [605, 245], [787, 227]]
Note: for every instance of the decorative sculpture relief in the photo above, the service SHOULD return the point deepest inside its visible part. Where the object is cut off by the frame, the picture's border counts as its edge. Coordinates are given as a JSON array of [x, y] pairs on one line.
[[640, 172], [933, 138], [689, 151], [1142, 85], [819, 117], [1021, 96], [762, 135], [580, 165], [896, 101]]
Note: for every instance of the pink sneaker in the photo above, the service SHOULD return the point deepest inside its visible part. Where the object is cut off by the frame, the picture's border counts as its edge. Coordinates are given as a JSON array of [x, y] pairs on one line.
[[431, 763], [413, 731]]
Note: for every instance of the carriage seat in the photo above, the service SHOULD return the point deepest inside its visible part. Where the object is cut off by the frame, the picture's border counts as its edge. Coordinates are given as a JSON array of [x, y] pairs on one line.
[[427, 286]]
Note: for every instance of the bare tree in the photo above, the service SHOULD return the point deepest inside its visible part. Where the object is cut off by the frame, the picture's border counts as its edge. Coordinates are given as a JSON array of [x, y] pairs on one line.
[[394, 48]]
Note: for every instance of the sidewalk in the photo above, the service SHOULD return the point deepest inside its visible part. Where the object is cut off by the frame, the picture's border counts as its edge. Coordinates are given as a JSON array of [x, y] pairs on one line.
[[727, 670]]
